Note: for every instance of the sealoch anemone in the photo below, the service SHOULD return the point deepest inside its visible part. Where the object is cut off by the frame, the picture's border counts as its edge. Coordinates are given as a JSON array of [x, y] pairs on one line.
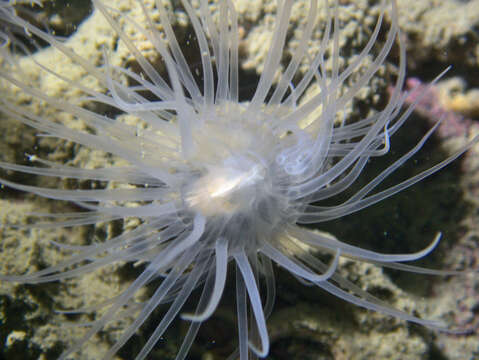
[[216, 184]]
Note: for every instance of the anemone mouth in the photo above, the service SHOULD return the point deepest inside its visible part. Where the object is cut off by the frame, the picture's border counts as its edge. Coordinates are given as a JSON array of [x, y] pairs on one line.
[[226, 190], [213, 181]]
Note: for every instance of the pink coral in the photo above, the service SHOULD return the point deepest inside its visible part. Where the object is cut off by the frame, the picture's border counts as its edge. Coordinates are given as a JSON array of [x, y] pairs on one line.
[[431, 107]]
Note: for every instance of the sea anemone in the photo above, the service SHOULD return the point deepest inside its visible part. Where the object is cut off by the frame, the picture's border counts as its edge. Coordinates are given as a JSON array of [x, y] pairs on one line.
[[217, 184]]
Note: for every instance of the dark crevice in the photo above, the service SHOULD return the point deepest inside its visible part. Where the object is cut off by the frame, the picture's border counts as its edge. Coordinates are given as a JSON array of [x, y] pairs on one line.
[[59, 18]]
